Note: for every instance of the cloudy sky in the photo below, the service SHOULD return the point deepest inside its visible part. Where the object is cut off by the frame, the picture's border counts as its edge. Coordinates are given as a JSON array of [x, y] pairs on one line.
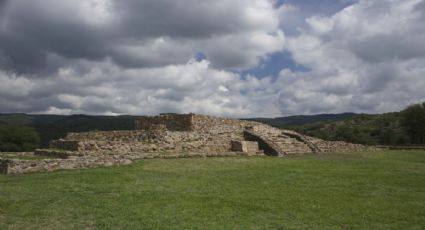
[[239, 58]]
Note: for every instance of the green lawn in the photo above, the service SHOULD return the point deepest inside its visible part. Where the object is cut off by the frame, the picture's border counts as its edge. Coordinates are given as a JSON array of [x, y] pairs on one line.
[[375, 190]]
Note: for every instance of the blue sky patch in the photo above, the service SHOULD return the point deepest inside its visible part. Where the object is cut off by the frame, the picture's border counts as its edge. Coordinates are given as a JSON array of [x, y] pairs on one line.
[[275, 63]]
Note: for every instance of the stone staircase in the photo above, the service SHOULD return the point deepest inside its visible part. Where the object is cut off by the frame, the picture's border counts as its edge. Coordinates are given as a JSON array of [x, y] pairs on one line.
[[280, 142], [291, 145], [304, 139]]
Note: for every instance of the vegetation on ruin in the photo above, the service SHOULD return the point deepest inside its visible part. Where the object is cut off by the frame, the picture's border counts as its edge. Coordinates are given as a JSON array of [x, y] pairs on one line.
[[368, 190]]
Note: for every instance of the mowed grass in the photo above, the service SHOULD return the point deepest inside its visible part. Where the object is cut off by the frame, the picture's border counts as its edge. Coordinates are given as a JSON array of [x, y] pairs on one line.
[[369, 190]]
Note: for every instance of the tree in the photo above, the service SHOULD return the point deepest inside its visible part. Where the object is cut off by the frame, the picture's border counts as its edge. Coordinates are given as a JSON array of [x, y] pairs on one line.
[[18, 138], [413, 122]]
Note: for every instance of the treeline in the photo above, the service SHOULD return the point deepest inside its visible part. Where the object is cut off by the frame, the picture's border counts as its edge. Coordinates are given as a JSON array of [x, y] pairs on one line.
[[398, 128]]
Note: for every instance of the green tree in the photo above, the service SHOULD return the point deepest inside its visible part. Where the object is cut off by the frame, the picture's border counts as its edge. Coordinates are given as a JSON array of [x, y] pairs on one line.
[[18, 138], [413, 122]]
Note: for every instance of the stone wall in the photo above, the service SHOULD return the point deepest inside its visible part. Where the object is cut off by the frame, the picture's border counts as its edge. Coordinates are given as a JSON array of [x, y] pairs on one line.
[[337, 146], [214, 125], [147, 141], [119, 147], [53, 153], [192, 122], [122, 135], [46, 165], [13, 166]]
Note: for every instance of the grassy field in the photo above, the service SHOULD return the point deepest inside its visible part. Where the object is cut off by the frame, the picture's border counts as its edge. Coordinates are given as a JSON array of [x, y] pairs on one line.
[[376, 190]]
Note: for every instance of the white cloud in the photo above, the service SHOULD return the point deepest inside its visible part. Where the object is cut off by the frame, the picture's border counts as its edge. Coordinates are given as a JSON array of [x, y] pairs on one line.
[[133, 33], [365, 58], [131, 57], [109, 89]]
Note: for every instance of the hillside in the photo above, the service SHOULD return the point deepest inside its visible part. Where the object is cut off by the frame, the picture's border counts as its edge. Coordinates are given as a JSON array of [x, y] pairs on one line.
[[371, 129], [384, 129]]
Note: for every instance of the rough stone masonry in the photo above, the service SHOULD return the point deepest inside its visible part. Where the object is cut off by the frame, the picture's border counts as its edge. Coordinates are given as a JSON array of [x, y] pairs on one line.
[[171, 136]]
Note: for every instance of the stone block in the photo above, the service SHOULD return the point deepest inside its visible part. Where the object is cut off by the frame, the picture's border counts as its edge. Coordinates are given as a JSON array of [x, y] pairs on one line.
[[245, 146]]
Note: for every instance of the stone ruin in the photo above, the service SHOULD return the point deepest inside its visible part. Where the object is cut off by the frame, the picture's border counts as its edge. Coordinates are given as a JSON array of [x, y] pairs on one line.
[[173, 136]]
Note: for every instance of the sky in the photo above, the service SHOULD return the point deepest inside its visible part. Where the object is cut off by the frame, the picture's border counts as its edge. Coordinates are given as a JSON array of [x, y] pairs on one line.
[[239, 58]]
